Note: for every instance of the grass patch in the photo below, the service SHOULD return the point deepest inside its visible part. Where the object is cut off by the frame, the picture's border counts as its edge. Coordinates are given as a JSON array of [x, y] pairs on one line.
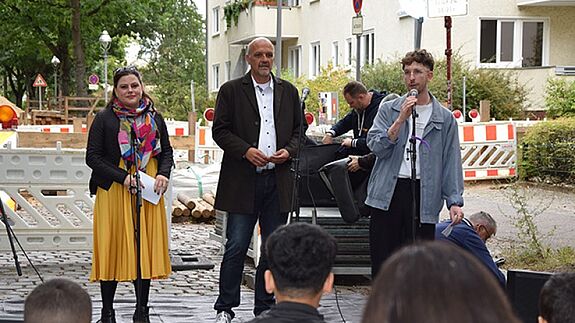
[[531, 251], [556, 260]]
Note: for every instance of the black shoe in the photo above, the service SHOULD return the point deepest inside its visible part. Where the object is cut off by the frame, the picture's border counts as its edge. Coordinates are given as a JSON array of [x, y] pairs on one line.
[[108, 316], [142, 314]]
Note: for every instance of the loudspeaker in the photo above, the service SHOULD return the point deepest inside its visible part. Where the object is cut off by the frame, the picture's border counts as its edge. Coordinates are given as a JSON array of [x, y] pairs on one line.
[[312, 190], [523, 288]]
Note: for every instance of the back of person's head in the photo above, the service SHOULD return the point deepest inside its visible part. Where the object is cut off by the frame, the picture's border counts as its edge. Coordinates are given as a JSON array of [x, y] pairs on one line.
[[436, 282], [354, 88], [557, 299], [420, 56], [58, 301], [300, 257]]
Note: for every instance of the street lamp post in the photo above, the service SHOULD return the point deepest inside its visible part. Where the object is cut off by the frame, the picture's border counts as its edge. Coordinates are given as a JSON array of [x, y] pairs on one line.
[[105, 42], [55, 61]]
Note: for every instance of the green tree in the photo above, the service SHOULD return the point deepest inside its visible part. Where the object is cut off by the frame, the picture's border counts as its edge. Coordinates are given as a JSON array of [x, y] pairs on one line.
[[176, 52], [330, 79], [70, 31], [508, 97]]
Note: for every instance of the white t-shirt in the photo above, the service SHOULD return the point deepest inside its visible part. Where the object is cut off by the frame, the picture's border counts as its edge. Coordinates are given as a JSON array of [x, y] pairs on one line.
[[423, 116]]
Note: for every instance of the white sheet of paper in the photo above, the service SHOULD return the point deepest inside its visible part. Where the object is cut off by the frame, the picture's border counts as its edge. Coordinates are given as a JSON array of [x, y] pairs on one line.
[[148, 193]]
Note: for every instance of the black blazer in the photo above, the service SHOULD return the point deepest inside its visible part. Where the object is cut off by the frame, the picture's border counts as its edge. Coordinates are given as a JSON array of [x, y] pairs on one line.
[[103, 151], [236, 129]]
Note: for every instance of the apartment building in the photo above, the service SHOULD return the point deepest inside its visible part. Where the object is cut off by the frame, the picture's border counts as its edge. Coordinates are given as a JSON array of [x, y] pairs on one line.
[[535, 38]]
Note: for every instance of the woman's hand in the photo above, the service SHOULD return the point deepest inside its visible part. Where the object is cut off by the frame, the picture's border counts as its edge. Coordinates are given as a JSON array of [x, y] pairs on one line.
[[130, 184], [161, 184]]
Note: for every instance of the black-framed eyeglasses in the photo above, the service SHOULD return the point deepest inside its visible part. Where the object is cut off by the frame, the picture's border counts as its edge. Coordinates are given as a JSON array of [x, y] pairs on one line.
[[127, 70], [490, 233]]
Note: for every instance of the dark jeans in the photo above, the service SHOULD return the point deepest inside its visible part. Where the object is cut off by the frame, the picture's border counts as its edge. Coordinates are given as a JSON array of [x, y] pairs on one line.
[[389, 230], [240, 228]]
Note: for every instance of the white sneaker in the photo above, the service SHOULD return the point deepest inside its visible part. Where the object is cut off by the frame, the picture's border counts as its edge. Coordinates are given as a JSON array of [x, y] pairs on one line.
[[223, 317]]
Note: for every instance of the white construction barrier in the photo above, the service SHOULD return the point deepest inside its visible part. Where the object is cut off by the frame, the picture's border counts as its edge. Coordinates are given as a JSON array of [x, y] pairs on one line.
[[488, 150], [206, 150], [50, 187]]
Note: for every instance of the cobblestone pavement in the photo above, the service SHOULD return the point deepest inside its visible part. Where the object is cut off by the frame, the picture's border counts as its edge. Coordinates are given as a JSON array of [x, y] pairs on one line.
[[189, 295], [186, 296]]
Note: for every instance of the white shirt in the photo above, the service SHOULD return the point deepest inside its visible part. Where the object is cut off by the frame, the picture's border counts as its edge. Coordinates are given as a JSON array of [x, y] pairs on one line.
[[267, 139], [423, 116]]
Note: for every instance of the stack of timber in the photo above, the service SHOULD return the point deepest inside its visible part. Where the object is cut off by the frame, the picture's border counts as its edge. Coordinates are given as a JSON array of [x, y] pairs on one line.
[[187, 208]]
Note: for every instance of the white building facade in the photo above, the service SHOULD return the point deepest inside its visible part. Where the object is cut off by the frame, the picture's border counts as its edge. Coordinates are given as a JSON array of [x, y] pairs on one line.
[[536, 38]]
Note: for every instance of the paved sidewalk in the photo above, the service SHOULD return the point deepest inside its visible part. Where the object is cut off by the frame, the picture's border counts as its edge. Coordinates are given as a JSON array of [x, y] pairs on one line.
[[186, 296]]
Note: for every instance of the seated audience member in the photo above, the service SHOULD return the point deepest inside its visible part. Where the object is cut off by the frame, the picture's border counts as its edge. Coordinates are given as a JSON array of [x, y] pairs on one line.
[[300, 257], [557, 299], [472, 234], [58, 301], [436, 282]]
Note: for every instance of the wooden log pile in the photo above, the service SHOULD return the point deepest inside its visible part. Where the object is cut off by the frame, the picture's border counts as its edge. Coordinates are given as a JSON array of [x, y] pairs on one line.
[[186, 208]]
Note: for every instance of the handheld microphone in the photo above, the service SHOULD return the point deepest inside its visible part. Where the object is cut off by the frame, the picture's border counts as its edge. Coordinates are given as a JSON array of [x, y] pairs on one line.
[[413, 93], [304, 94]]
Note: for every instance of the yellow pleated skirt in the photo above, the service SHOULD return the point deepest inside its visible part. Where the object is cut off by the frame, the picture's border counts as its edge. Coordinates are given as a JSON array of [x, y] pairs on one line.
[[114, 254]]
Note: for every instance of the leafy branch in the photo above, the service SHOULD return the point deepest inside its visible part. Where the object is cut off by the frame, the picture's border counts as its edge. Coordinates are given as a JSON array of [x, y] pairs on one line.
[[233, 9]]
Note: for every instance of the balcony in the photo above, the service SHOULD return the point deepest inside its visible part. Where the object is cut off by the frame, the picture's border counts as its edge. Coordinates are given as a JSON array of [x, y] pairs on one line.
[[260, 19]]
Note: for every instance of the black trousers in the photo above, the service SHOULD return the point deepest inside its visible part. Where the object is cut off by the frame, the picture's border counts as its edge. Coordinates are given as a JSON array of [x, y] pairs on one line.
[[389, 230]]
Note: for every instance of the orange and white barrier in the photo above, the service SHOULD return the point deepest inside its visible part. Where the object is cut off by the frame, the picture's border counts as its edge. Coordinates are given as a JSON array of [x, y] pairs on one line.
[[63, 128], [488, 150], [206, 151]]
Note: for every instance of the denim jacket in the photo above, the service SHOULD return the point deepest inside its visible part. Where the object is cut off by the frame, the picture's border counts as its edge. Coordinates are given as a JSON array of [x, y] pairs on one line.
[[440, 160]]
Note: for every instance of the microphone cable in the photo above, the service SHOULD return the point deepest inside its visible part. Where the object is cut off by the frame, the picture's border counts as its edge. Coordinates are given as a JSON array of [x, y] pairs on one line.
[[337, 304]]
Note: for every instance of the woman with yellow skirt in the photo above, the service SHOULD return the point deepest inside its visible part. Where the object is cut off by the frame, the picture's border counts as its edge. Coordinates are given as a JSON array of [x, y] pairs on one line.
[[114, 159]]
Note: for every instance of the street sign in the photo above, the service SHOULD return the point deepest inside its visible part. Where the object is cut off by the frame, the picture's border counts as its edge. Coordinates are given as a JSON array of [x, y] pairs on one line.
[[93, 79], [413, 8], [442, 8], [39, 81], [357, 6], [357, 25]]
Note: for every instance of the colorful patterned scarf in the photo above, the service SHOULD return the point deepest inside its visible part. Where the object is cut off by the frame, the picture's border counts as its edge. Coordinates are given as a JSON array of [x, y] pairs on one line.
[[144, 125]]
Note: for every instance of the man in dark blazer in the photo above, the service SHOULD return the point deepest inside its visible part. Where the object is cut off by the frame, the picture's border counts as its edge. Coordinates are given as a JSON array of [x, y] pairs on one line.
[[471, 234], [257, 122]]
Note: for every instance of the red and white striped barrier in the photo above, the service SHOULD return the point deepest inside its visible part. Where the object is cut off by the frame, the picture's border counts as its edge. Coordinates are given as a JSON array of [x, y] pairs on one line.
[[488, 150]]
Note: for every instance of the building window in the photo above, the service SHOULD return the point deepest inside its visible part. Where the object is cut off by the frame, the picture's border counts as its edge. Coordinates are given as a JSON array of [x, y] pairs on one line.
[[315, 61], [512, 42], [335, 53], [294, 60], [216, 21], [216, 76], [227, 71], [368, 48], [348, 51]]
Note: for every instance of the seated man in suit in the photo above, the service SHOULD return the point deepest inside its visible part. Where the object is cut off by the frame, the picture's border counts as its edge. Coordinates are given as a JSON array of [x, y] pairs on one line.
[[471, 234], [300, 257]]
